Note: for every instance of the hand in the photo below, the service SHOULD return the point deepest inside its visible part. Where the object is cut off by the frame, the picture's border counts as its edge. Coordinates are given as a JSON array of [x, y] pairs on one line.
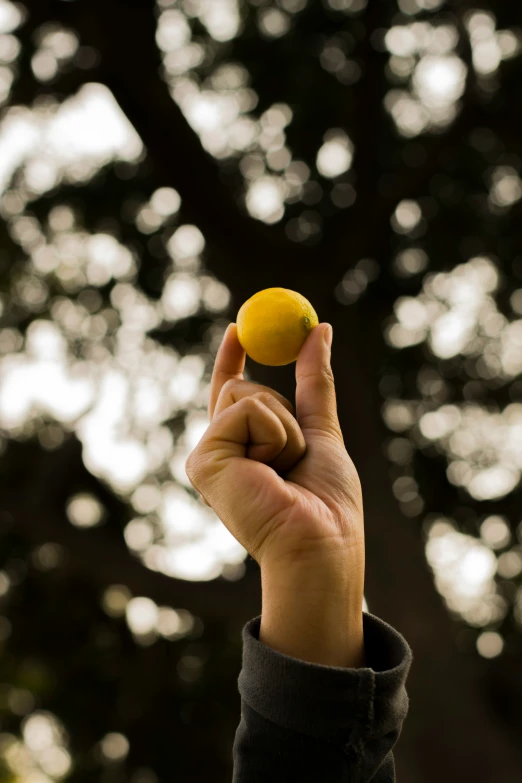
[[285, 487]]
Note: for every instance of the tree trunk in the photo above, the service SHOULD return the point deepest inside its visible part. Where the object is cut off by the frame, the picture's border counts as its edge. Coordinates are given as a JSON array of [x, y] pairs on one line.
[[451, 726]]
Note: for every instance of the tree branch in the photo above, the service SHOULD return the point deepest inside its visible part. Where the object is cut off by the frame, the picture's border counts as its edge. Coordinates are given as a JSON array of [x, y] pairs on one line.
[[133, 72]]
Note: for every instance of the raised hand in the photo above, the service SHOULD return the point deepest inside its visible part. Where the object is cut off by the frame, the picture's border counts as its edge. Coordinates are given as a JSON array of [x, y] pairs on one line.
[[284, 486]]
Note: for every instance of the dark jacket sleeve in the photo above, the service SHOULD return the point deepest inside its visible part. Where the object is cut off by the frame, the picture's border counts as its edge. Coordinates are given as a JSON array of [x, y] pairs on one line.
[[310, 723]]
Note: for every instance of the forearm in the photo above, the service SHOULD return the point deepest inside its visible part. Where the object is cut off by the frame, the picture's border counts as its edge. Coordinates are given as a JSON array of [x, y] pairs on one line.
[[312, 616]]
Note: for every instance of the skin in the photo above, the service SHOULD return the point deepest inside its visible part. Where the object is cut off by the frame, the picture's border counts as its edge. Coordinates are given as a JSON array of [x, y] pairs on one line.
[[282, 482]]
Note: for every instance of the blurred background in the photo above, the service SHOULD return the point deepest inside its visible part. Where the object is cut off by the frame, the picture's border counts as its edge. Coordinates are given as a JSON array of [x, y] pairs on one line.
[[159, 164]]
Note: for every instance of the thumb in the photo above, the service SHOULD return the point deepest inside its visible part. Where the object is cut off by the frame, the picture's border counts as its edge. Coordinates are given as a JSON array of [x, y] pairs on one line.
[[315, 400]]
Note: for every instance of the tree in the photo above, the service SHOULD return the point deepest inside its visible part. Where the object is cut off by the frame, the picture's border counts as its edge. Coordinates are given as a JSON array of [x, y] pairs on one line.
[[371, 162]]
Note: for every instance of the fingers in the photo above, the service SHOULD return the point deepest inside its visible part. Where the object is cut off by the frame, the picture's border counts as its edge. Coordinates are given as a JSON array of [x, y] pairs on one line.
[[229, 364], [228, 386], [294, 447], [247, 495], [315, 399], [234, 389], [247, 424]]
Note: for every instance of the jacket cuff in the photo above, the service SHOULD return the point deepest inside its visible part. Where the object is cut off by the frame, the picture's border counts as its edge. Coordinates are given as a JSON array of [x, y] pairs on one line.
[[328, 702]]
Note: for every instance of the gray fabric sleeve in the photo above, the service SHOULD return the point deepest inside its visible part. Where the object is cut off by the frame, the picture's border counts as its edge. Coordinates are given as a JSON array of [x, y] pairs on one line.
[[307, 722]]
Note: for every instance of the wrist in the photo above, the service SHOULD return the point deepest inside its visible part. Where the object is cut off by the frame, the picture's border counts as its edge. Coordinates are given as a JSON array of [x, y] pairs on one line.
[[314, 617]]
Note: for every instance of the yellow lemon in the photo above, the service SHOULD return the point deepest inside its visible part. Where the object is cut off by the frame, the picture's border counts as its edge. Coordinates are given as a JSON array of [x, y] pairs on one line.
[[273, 324]]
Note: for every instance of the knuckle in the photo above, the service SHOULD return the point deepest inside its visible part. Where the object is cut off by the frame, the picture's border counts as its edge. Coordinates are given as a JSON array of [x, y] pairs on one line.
[[264, 396], [253, 401], [275, 400], [229, 385], [326, 374], [284, 402], [235, 386], [323, 374]]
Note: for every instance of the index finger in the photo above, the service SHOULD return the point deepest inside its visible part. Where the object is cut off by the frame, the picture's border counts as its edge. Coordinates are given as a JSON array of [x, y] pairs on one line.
[[230, 363]]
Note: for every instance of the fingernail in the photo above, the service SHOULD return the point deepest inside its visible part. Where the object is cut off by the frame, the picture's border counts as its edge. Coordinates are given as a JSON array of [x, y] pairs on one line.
[[328, 336]]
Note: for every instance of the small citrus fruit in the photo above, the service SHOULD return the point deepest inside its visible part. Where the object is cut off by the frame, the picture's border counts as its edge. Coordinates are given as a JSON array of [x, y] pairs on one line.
[[273, 324]]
